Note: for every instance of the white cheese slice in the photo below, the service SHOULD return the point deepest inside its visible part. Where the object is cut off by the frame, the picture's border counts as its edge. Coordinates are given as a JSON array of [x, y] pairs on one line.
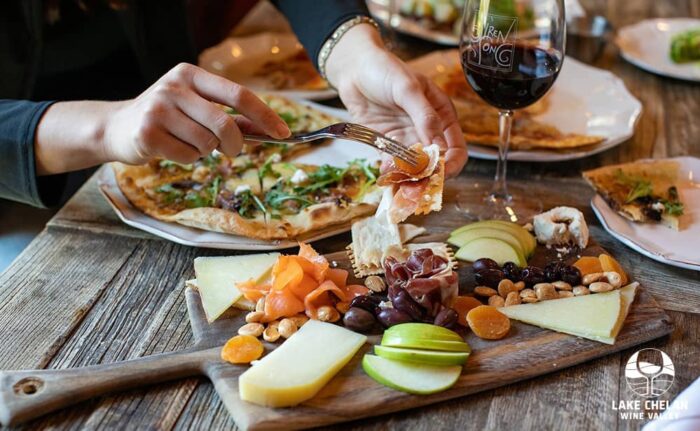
[[299, 368], [597, 316], [217, 278]]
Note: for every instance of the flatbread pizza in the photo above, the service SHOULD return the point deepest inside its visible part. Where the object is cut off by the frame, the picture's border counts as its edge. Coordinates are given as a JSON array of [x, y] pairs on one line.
[[277, 200], [642, 191]]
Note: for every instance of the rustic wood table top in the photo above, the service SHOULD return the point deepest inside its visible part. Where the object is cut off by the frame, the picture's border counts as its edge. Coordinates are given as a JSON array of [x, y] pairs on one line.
[[91, 290]]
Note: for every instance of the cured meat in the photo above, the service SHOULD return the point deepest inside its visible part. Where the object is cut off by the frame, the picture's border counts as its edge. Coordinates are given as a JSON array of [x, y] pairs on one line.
[[427, 278]]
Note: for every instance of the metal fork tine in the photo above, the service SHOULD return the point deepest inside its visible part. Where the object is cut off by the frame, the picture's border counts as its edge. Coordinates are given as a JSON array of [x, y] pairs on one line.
[[371, 140], [362, 129], [391, 149]]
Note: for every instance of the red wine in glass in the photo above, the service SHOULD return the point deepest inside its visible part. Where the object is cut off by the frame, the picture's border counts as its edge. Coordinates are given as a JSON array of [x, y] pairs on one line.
[[532, 74], [511, 53]]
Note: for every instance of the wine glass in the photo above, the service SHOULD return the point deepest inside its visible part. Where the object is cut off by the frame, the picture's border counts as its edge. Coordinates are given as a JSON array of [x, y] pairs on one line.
[[511, 53]]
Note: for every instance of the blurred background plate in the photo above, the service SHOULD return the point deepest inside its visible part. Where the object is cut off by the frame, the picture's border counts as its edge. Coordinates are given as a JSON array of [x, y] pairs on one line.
[[654, 240], [646, 44], [263, 61], [334, 152], [601, 107], [379, 9]]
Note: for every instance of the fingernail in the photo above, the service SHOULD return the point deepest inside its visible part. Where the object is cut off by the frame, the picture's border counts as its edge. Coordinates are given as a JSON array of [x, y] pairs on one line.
[[283, 131], [440, 141]]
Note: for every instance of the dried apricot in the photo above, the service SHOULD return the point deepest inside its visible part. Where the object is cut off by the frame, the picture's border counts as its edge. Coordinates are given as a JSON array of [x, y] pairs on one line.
[[462, 305], [588, 265], [242, 349], [488, 323], [422, 161], [608, 263]]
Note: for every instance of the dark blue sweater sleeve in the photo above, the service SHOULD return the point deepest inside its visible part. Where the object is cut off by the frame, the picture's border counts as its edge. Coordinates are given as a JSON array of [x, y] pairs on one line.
[[313, 21], [18, 179]]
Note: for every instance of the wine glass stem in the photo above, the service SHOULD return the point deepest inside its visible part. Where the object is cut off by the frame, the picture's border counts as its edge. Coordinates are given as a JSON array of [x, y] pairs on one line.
[[500, 186]]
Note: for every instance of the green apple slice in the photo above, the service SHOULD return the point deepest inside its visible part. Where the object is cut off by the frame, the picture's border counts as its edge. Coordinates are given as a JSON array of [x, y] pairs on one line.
[[528, 242], [493, 248], [523, 233], [409, 377], [467, 236], [424, 330], [424, 343], [430, 357]]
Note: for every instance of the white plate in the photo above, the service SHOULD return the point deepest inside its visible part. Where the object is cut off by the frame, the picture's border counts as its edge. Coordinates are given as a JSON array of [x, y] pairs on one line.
[[379, 11], [646, 44], [602, 107], [239, 58], [656, 241], [335, 152]]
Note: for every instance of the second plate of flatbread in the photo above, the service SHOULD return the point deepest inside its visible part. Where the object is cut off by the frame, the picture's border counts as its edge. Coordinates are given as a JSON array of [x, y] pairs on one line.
[[588, 110]]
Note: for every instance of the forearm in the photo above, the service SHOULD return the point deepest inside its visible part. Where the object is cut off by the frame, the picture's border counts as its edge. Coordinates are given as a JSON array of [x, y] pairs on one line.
[[69, 136], [314, 21]]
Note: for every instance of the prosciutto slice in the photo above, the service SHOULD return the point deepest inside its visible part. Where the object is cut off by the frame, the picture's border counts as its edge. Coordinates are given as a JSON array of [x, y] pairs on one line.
[[407, 190]]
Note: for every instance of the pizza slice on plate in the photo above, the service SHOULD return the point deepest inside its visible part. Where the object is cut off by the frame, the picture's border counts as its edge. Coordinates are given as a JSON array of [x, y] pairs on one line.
[[642, 191]]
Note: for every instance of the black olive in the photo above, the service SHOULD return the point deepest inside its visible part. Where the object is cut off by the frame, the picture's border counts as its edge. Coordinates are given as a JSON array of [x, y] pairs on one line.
[[652, 213], [402, 301], [391, 316], [532, 275], [571, 275], [485, 263], [553, 271], [512, 271], [447, 318], [489, 277], [359, 320], [366, 302]]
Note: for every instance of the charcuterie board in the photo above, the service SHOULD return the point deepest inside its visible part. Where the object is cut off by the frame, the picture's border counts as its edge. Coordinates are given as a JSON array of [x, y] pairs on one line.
[[527, 352]]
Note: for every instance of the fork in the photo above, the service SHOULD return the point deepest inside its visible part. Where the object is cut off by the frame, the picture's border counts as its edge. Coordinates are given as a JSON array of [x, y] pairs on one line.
[[350, 131]]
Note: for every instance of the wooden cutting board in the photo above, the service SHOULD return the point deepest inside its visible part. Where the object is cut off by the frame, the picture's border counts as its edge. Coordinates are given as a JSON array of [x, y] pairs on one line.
[[526, 352]]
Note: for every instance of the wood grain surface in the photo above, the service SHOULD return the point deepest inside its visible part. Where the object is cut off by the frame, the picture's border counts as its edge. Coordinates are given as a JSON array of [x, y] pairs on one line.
[[90, 290]]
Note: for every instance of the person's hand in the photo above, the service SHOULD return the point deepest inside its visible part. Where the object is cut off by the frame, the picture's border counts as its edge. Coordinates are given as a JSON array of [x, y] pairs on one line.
[[382, 93], [175, 119]]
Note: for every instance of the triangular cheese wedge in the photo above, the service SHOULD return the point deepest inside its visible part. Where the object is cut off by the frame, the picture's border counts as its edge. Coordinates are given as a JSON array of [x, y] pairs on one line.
[[217, 278], [597, 316]]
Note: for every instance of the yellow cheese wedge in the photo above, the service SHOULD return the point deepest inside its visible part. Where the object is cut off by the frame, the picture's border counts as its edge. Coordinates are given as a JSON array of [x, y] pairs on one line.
[[299, 368], [217, 278], [597, 316]]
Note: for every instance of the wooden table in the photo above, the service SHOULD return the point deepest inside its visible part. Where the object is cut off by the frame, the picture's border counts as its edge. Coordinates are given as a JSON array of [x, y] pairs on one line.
[[91, 290]]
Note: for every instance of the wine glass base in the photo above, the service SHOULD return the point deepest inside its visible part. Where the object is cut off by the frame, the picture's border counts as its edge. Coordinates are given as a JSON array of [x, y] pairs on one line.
[[478, 203]]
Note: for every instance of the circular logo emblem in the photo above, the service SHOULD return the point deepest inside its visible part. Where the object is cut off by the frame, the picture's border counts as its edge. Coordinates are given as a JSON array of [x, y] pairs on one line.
[[649, 373]]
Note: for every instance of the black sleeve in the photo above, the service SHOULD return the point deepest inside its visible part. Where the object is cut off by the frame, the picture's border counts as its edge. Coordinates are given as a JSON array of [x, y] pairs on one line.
[[18, 179], [314, 21]]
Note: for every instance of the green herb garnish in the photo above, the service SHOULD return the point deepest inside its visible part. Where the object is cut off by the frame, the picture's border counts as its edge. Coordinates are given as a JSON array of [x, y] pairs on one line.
[[673, 208], [639, 187], [276, 197], [213, 190], [640, 190], [266, 168], [170, 193], [166, 164], [288, 118], [195, 200]]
